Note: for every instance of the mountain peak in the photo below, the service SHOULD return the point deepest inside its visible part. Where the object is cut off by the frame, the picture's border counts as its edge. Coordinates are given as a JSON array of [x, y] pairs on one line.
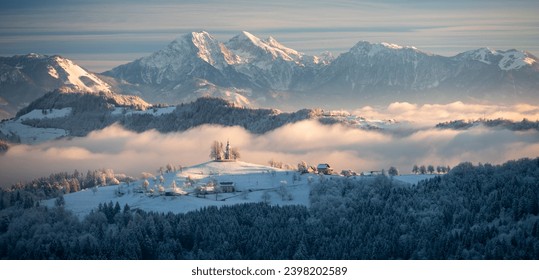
[[246, 35], [250, 48], [391, 46], [177, 54], [371, 49], [35, 55], [64, 72], [243, 39], [511, 59]]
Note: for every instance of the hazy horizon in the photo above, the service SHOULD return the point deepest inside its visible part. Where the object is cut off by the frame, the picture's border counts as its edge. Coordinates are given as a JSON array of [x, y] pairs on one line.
[[102, 34]]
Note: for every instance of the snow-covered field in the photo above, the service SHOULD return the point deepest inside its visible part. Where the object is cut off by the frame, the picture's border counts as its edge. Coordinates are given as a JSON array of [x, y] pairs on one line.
[[414, 178], [33, 135], [253, 183], [36, 135], [44, 114], [29, 134]]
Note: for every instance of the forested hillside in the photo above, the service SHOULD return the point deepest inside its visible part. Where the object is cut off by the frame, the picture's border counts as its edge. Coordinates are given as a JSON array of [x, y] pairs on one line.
[[473, 212], [525, 124], [93, 112]]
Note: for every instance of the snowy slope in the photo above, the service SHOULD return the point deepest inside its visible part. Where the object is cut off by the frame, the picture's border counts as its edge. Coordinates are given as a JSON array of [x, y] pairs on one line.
[[51, 72], [46, 114], [75, 77], [381, 69], [24, 78], [505, 60], [38, 122], [34, 135], [250, 49], [270, 64], [253, 183], [28, 134]]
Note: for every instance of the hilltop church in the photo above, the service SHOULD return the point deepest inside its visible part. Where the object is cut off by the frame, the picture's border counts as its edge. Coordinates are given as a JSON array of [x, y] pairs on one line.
[[229, 153]]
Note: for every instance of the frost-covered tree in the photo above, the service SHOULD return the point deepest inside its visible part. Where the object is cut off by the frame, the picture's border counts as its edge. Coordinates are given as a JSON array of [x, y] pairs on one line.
[[216, 151], [303, 167], [393, 171], [430, 169], [422, 169], [415, 169], [487, 212], [59, 202], [146, 175], [234, 153], [169, 167], [145, 184], [102, 180]]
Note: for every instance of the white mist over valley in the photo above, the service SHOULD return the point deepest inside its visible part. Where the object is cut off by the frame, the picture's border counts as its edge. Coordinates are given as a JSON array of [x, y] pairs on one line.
[[409, 137]]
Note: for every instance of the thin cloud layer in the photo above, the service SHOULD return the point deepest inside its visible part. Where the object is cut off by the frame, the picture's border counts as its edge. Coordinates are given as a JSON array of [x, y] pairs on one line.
[[432, 114], [344, 148]]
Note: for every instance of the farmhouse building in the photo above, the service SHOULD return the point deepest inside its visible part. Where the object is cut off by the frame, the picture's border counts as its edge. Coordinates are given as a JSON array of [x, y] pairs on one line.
[[324, 168], [227, 187]]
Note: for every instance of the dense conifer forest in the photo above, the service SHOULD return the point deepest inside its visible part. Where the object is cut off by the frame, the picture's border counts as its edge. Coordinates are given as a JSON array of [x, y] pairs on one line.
[[473, 212]]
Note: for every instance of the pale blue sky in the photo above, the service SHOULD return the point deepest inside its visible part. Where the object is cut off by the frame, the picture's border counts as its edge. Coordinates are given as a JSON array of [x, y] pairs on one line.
[[101, 34]]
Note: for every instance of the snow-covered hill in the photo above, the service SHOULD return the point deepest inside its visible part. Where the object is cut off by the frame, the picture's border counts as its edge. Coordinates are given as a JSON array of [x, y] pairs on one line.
[[24, 78], [253, 183], [59, 114], [46, 118]]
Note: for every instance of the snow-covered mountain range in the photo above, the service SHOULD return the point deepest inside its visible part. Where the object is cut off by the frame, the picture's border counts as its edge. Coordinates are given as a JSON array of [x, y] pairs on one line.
[[263, 72], [390, 72], [244, 69], [268, 73]]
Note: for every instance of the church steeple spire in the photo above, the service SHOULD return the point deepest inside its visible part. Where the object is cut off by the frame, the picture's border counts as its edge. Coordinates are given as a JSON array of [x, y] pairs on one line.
[[227, 150]]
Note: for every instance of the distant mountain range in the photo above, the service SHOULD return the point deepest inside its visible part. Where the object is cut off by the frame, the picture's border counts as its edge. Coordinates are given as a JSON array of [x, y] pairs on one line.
[[263, 72]]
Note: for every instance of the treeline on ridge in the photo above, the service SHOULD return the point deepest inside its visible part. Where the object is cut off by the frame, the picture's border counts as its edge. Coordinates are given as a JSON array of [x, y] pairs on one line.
[[97, 113]]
